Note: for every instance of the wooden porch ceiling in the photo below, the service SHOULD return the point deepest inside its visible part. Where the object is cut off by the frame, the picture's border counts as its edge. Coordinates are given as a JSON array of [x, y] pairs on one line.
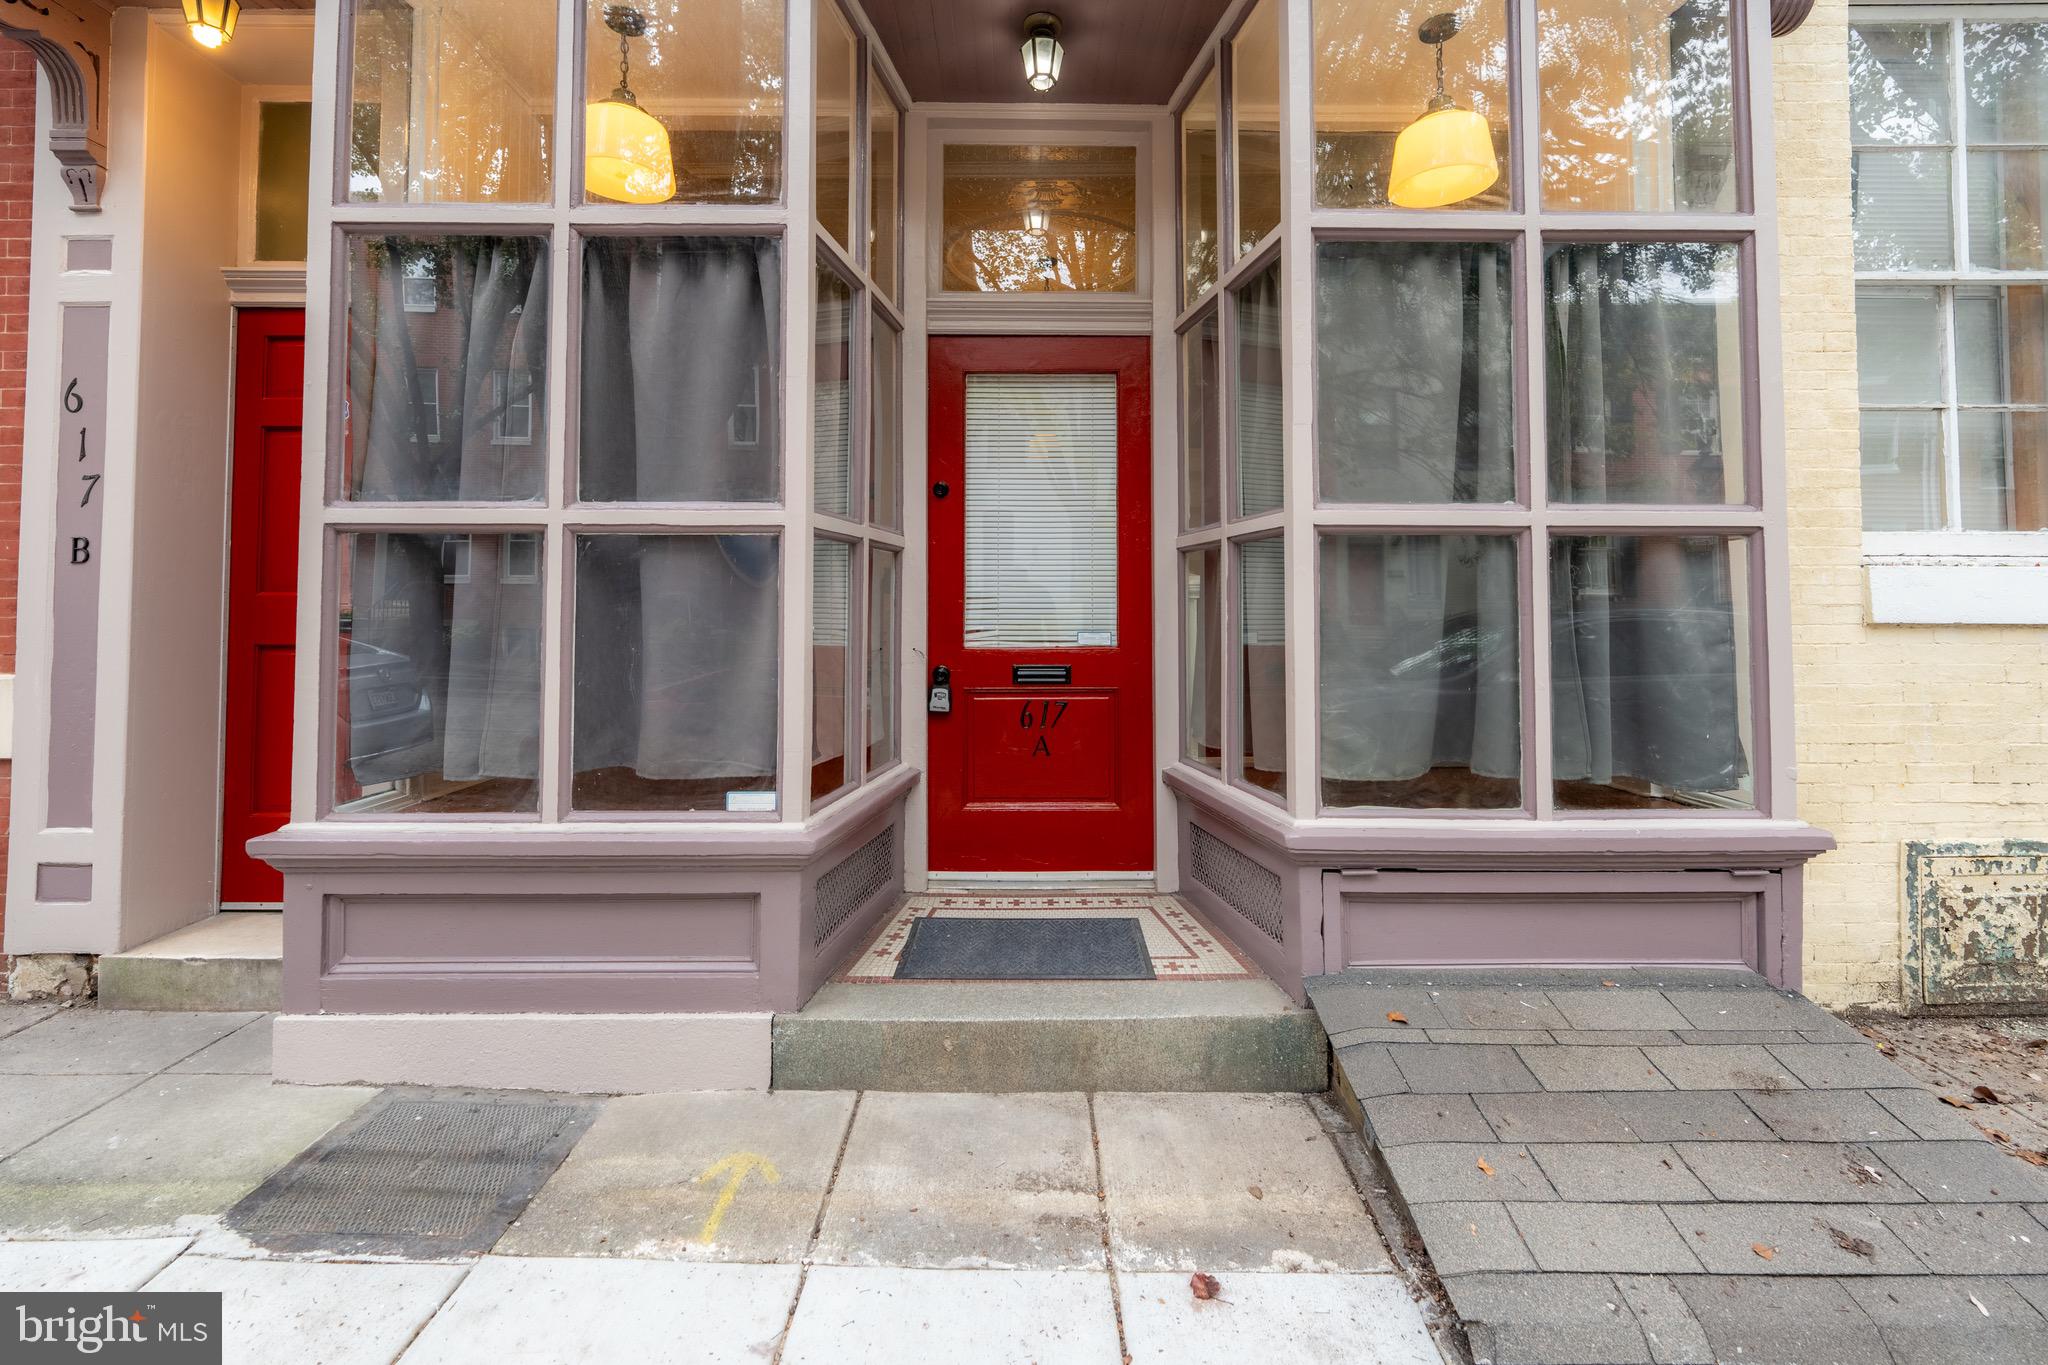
[[1118, 51]]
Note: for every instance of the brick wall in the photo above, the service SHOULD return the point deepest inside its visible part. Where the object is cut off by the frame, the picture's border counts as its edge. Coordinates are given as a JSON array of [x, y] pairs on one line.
[[1904, 732], [17, 166]]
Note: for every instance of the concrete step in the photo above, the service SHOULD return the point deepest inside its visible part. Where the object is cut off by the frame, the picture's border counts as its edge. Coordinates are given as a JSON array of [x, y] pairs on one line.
[[229, 961], [1051, 1035]]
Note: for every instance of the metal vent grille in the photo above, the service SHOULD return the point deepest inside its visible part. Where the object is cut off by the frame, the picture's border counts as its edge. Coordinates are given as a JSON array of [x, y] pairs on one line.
[[412, 1177], [1246, 886], [852, 883]]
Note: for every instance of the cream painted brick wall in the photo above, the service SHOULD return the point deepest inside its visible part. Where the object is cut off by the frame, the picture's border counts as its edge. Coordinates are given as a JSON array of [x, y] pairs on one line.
[[1903, 732]]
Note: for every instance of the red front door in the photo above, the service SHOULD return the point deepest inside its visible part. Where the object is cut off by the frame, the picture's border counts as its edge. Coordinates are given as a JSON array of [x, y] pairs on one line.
[[263, 570], [1041, 608]]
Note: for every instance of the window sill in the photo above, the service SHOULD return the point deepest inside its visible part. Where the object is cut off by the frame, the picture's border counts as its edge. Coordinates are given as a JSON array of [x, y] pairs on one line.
[[1946, 587]]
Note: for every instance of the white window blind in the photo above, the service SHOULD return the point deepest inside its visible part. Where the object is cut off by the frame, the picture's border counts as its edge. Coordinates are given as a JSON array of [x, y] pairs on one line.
[[1041, 511]]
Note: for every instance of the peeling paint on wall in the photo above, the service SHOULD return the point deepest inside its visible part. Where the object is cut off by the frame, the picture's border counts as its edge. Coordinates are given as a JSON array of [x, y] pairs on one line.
[[1977, 923]]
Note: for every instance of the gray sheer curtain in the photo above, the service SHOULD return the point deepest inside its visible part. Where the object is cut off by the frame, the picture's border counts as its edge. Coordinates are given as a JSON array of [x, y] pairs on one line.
[[1647, 679], [1416, 405], [677, 636], [447, 360]]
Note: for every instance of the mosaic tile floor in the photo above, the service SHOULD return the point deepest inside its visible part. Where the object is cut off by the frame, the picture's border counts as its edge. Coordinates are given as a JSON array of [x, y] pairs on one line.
[[1182, 945]]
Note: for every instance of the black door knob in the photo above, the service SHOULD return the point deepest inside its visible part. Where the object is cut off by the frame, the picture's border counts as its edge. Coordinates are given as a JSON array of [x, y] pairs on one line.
[[939, 490]]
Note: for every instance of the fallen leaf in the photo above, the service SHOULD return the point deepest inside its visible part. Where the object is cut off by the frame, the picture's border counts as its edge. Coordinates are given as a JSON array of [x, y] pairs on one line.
[[2032, 1158], [1760, 1249], [1396, 1017], [1986, 1094], [1485, 1169], [2036, 1044], [1255, 1192], [1957, 1103], [1610, 984], [1205, 1286], [1854, 1245]]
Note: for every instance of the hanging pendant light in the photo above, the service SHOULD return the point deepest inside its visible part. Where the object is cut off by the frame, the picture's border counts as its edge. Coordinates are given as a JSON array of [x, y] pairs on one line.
[[625, 149], [1042, 51], [212, 22], [1446, 156], [1037, 217]]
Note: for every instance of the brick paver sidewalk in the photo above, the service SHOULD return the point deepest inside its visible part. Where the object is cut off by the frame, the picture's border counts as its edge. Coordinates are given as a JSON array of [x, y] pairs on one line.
[[1685, 1165]]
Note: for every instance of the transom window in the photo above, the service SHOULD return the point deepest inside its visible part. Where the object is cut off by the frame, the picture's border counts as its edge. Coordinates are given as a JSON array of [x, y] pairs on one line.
[[1950, 121]]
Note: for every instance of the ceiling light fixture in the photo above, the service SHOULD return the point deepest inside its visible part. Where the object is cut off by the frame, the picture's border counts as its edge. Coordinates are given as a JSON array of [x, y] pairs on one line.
[[1446, 156], [1042, 51], [626, 154], [212, 22]]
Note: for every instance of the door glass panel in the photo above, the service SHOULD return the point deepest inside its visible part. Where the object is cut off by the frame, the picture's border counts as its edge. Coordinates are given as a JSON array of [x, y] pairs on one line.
[[1041, 555]]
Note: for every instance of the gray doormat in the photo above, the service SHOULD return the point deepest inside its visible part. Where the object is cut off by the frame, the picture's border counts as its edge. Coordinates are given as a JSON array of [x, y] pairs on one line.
[[961, 948], [415, 1175]]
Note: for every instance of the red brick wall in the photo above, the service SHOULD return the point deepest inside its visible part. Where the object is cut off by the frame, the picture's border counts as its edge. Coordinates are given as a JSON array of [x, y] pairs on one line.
[[17, 167]]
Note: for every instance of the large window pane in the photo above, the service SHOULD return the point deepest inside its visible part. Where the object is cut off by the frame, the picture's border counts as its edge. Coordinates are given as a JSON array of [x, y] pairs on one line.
[[710, 71], [1376, 77], [1201, 637], [835, 88], [1255, 125], [681, 367], [1645, 372], [1638, 105], [2005, 82], [447, 353], [1899, 84], [885, 665], [440, 673], [885, 421], [2002, 381], [1415, 372], [1902, 482], [831, 629], [1201, 435], [1898, 345], [453, 102], [1262, 663], [1200, 144], [1420, 688], [2005, 211], [1899, 205], [832, 395], [1260, 415], [885, 207], [1650, 672], [675, 680], [1043, 219]]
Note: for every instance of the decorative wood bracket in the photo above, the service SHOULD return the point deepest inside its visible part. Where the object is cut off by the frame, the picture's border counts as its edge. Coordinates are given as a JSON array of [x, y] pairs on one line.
[[72, 42]]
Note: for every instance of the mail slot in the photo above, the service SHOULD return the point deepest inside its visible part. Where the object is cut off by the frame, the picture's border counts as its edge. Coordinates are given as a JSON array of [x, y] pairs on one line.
[[1041, 675]]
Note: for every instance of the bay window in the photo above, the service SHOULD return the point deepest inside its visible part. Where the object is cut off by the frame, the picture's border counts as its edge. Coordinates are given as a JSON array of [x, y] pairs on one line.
[[573, 500], [1532, 512]]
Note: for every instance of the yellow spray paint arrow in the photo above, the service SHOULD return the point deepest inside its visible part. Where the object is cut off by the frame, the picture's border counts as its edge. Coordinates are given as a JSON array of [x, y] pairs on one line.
[[735, 1168]]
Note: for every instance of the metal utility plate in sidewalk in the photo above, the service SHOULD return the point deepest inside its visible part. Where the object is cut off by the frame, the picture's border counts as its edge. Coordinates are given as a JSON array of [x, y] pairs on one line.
[[415, 1175]]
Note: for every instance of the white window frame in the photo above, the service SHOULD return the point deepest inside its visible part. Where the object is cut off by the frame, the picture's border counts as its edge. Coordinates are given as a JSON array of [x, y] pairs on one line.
[[502, 430], [1952, 576], [430, 385]]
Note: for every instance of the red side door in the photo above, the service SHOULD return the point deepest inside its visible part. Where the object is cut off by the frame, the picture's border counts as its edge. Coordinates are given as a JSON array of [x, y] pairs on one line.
[[263, 571], [1041, 608]]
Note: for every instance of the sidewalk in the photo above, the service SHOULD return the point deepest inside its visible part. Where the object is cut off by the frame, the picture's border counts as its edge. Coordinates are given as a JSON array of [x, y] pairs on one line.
[[798, 1228], [1686, 1166]]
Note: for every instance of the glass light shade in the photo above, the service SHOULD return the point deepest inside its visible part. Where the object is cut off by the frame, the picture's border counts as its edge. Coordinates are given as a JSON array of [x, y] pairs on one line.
[[626, 154], [1037, 217], [212, 22], [1042, 58], [1444, 157]]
